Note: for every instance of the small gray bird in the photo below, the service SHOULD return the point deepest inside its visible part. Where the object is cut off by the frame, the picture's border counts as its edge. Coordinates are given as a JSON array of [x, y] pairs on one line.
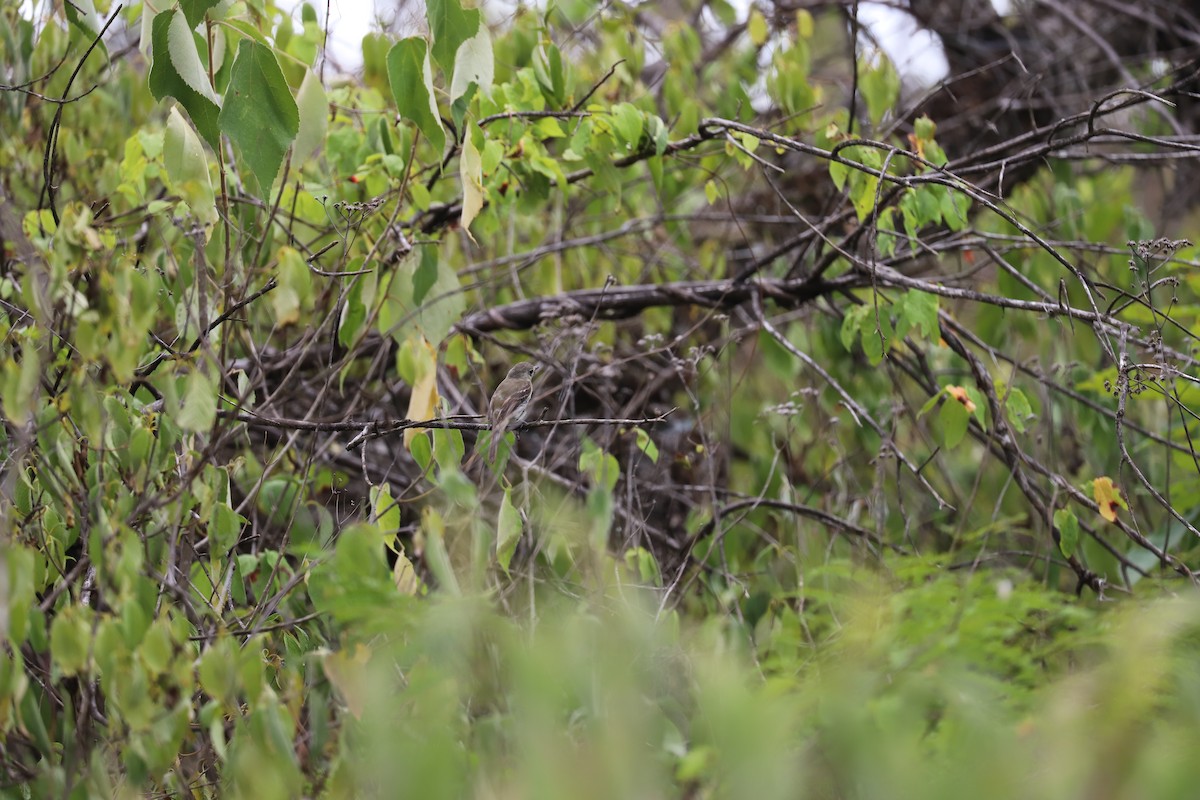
[[510, 402]]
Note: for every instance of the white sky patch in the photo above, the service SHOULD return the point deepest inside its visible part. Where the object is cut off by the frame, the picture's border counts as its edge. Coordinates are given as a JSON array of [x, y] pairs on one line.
[[349, 22], [916, 52]]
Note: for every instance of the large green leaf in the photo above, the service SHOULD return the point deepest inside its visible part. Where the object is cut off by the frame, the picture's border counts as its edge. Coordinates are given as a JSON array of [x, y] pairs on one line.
[[412, 86], [260, 114], [195, 10], [440, 302], [176, 71], [451, 25]]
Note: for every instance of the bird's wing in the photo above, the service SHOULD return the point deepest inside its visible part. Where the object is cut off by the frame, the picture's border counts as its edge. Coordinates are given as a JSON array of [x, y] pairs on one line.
[[504, 412]]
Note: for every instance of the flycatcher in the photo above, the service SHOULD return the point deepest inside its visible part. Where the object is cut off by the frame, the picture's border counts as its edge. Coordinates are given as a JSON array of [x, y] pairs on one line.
[[510, 403]]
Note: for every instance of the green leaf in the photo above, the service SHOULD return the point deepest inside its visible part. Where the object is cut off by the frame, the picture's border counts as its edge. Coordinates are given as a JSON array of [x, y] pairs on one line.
[[433, 526], [852, 324], [425, 275], [659, 133], [954, 419], [877, 335], [174, 50], [422, 451], [224, 526], [294, 291], [475, 64], [627, 122], [643, 561], [862, 195], [930, 403], [313, 107], [928, 200], [187, 164], [412, 86], [955, 207], [218, 671], [461, 104], [356, 583], [551, 73], [354, 312], [549, 128], [839, 172], [647, 445], [260, 115], [450, 25], [156, 648], [195, 10], [508, 531], [385, 512], [1068, 531], [441, 306], [880, 87], [199, 403], [920, 310], [601, 467], [711, 192], [69, 641], [977, 401], [924, 128], [1019, 409], [82, 14]]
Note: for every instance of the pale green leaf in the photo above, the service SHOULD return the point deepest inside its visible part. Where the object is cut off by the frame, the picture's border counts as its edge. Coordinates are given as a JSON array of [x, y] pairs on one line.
[[471, 171], [1019, 409], [647, 445], [411, 80], [474, 63], [627, 122], [508, 531], [1068, 531], [920, 310], [187, 165], [838, 172], [954, 419], [385, 513], [451, 25], [402, 317], [199, 403], [181, 45], [756, 26], [166, 81], [313, 107], [69, 637]]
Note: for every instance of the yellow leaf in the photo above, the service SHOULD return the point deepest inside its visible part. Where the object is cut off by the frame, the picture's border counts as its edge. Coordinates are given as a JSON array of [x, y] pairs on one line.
[[711, 192], [470, 167], [960, 394], [348, 673], [405, 576], [1108, 497], [757, 27], [424, 398], [804, 24]]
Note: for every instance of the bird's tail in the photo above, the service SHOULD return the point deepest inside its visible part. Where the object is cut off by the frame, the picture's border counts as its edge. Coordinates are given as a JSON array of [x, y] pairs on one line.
[[497, 436]]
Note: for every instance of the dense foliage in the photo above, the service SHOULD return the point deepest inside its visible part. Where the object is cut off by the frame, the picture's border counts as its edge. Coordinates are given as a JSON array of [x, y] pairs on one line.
[[860, 404]]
